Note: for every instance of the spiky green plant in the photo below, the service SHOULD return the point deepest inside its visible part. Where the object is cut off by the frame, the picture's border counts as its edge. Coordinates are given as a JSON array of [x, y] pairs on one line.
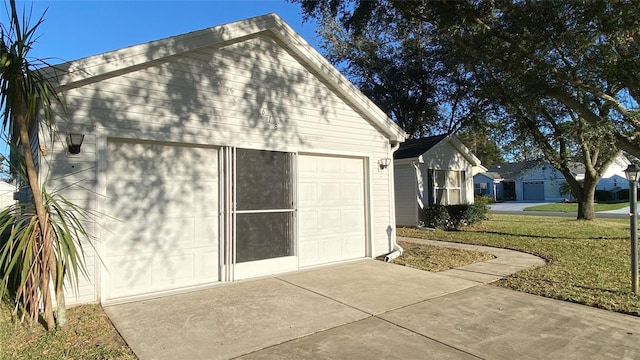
[[26, 93], [25, 262]]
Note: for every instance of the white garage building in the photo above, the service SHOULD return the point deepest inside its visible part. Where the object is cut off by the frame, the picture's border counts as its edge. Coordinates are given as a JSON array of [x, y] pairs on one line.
[[227, 153]]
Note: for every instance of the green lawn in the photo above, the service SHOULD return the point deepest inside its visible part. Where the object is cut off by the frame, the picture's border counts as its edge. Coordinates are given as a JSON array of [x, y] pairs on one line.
[[90, 335], [570, 207], [588, 261]]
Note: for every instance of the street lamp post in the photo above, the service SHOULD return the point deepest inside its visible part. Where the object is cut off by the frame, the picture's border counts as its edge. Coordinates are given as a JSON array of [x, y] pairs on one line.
[[632, 175]]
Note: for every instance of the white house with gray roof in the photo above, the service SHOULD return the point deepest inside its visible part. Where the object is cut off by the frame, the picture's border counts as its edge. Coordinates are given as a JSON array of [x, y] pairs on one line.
[[223, 154], [432, 170]]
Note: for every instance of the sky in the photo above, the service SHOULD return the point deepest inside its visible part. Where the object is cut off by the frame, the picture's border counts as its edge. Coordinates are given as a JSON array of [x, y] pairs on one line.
[[80, 28], [75, 29]]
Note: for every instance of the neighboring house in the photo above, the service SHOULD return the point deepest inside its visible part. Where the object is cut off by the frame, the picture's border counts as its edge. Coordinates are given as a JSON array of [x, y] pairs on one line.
[[6, 194], [539, 181], [432, 170], [614, 177], [227, 153]]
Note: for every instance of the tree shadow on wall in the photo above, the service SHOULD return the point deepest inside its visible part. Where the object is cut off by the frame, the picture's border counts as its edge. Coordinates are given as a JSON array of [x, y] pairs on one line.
[[165, 121]]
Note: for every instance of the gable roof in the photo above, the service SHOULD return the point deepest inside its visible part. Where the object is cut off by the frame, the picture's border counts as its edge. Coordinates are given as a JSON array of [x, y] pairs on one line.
[[414, 148], [98, 67], [507, 170]]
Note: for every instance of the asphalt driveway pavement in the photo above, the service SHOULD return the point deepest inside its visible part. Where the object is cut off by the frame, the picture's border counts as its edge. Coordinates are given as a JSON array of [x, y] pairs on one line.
[[517, 208], [371, 309]]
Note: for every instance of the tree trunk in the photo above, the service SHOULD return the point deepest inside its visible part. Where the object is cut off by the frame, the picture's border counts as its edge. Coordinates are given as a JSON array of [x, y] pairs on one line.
[[32, 177], [586, 201]]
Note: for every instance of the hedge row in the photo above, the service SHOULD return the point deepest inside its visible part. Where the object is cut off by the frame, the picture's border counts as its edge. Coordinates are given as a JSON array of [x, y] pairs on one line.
[[453, 217]]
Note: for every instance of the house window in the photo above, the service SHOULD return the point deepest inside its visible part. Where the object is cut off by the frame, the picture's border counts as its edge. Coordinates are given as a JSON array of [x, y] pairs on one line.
[[480, 188], [447, 186]]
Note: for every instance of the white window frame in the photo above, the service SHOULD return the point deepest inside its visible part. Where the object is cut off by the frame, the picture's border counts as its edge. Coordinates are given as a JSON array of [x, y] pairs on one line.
[[447, 186]]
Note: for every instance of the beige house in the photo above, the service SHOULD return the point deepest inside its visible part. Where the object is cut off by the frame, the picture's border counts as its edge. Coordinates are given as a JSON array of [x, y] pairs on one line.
[[227, 153], [432, 170]]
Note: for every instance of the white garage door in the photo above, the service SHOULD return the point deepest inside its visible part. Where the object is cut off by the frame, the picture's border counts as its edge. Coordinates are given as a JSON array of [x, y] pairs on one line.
[[331, 209], [162, 227]]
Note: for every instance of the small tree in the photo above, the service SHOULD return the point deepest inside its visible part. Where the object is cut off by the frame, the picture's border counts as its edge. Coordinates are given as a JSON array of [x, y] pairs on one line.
[[44, 241]]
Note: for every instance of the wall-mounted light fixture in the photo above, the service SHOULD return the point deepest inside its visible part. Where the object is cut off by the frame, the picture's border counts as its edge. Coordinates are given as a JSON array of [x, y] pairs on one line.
[[384, 163], [74, 141]]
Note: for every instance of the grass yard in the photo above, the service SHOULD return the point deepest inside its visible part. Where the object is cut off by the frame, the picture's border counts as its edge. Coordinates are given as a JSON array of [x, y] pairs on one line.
[[588, 261], [436, 258], [90, 335], [571, 207]]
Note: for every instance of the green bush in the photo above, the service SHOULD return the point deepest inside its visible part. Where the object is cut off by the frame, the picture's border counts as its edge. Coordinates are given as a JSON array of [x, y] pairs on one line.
[[623, 194], [603, 195], [453, 217], [484, 199], [436, 216]]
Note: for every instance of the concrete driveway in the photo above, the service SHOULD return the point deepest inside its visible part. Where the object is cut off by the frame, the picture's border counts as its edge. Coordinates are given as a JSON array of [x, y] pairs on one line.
[[370, 309], [509, 206]]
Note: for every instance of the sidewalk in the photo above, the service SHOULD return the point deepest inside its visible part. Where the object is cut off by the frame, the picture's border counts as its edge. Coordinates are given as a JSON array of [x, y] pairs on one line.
[[506, 262]]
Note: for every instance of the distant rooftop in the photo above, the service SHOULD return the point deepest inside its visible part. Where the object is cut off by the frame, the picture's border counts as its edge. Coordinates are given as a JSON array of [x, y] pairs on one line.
[[508, 170]]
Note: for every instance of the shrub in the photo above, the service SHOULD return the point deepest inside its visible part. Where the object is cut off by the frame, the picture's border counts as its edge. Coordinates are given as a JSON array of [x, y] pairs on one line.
[[436, 216], [623, 194], [603, 195], [483, 199], [453, 217]]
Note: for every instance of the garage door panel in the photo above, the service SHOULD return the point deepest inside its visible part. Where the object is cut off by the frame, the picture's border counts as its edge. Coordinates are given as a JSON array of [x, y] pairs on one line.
[[331, 209], [172, 160], [154, 236], [126, 272], [163, 205], [533, 190], [148, 197], [352, 245], [351, 220], [352, 194], [175, 267]]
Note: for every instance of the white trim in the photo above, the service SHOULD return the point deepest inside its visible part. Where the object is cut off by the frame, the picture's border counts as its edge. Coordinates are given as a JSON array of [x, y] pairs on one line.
[[333, 152], [265, 211], [369, 244], [159, 294], [252, 269], [101, 194]]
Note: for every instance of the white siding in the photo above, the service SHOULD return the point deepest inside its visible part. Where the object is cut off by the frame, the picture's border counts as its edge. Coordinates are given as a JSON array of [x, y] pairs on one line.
[[6, 195], [252, 94], [444, 156], [406, 193], [74, 177]]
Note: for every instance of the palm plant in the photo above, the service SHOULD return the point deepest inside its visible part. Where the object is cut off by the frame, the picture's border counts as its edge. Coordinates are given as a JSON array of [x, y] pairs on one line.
[[42, 244]]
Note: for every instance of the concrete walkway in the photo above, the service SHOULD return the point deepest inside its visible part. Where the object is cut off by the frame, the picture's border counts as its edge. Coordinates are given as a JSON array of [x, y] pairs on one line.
[[506, 261], [371, 309]]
